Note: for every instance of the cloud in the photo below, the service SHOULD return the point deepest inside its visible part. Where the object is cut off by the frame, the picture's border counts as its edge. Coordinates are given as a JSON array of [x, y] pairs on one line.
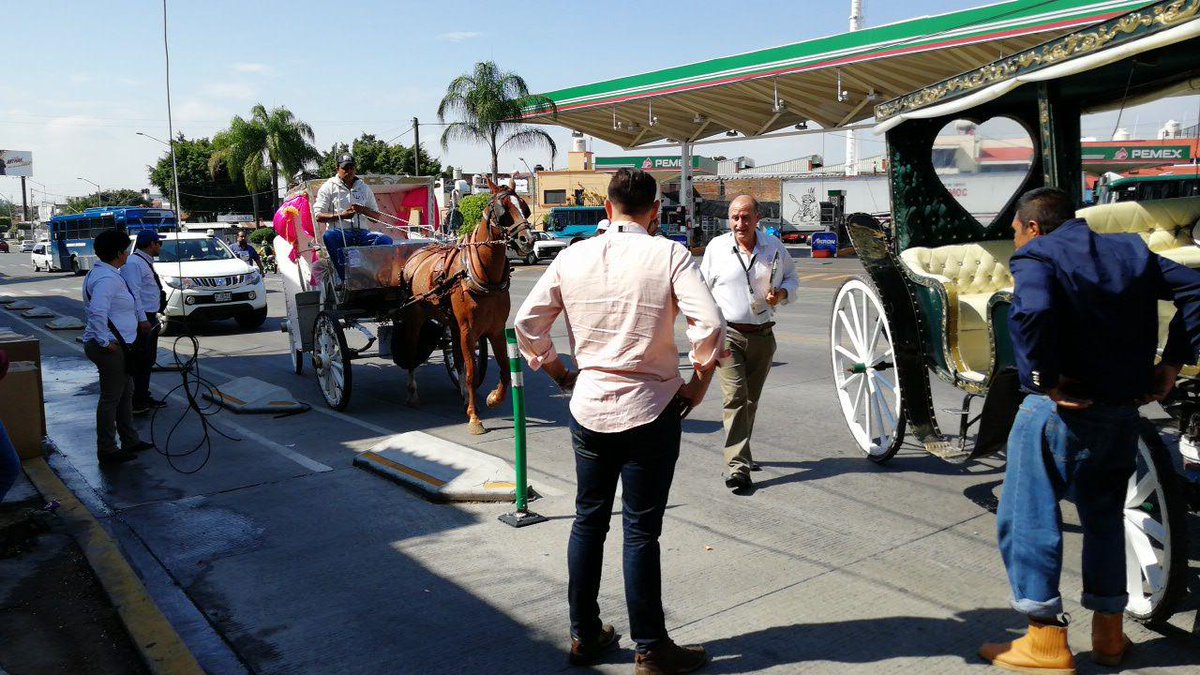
[[459, 36], [255, 68], [235, 91]]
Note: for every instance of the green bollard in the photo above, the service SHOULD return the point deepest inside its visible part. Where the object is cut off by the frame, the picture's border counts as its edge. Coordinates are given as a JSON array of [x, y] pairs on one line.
[[522, 516]]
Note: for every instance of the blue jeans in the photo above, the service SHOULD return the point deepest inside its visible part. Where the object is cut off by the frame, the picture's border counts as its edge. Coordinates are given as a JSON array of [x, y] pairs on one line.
[[644, 459], [10, 463], [1086, 456], [338, 238]]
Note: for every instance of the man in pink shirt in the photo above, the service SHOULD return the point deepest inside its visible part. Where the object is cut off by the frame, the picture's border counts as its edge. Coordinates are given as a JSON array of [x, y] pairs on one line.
[[620, 295]]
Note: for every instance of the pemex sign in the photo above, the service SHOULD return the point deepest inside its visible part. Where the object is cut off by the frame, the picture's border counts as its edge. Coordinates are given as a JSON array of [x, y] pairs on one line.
[[655, 163], [1129, 152]]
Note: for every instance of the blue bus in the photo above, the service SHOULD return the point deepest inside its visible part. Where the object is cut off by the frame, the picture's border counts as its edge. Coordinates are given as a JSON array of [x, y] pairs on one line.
[[575, 223], [71, 236]]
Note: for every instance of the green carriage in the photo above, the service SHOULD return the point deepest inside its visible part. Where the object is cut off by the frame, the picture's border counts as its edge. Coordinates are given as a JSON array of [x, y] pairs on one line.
[[938, 288]]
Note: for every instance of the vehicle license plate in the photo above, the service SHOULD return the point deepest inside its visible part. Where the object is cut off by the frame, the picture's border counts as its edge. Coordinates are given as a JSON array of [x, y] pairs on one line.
[[222, 297]]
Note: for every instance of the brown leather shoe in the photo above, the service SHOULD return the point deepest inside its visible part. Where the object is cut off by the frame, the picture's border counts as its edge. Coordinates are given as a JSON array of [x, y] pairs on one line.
[[589, 651], [669, 658], [1109, 642]]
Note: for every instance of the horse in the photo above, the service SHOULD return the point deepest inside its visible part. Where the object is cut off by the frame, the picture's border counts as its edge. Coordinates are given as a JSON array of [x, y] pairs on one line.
[[467, 284]]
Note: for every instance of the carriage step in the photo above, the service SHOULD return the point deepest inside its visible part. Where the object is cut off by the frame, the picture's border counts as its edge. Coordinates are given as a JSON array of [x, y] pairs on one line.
[[946, 450], [956, 411]]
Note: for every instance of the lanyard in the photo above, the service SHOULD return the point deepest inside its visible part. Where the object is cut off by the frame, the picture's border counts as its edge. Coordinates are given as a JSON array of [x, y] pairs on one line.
[[746, 268]]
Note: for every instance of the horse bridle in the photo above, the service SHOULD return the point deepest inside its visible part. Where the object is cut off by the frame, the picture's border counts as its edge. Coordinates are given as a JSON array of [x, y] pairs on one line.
[[496, 210]]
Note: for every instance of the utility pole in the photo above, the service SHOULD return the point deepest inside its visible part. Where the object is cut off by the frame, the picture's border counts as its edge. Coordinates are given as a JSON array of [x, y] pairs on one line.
[[24, 203], [856, 17], [416, 148]]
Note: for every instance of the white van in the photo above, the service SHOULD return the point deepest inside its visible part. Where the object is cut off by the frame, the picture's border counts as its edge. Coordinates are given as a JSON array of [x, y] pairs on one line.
[[41, 256]]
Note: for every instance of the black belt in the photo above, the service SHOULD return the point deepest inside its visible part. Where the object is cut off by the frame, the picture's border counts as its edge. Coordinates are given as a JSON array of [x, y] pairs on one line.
[[752, 328]]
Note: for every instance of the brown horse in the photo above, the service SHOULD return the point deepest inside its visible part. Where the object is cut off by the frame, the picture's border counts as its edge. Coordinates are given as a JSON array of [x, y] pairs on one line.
[[468, 283]]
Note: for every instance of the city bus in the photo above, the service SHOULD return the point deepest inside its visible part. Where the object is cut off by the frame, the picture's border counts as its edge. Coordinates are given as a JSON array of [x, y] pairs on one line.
[[1144, 188], [70, 236], [575, 223]]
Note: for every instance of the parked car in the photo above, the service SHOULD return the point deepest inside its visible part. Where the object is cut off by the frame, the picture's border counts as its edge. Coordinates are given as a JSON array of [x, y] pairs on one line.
[[41, 256], [27, 246], [545, 247], [204, 279], [4, 246]]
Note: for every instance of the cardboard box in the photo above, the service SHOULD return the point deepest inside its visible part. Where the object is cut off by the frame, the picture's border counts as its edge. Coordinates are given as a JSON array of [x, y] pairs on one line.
[[24, 348], [21, 408]]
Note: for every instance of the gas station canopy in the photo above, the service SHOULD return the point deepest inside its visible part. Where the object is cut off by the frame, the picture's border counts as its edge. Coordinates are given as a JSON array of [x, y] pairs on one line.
[[832, 81]]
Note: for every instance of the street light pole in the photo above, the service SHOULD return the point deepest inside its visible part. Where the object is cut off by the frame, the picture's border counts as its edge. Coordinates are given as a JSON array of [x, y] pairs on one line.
[[98, 197]]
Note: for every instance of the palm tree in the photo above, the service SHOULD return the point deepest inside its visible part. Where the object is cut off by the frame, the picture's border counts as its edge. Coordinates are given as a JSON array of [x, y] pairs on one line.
[[489, 103], [255, 151]]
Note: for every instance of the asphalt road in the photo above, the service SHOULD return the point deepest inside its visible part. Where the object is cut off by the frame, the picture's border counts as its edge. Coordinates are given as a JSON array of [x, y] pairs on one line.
[[278, 556]]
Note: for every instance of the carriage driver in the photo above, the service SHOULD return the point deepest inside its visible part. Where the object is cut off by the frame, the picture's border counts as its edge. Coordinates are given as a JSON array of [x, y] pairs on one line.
[[1084, 325], [344, 203]]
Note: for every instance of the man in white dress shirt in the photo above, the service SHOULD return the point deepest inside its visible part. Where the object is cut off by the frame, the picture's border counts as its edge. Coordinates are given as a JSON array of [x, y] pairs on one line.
[[113, 315], [139, 275], [749, 273], [344, 203]]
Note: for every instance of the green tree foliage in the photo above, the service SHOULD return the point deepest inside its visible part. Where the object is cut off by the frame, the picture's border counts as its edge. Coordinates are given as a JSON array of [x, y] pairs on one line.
[[203, 194], [254, 151], [122, 197], [261, 236], [372, 155], [471, 207], [488, 103]]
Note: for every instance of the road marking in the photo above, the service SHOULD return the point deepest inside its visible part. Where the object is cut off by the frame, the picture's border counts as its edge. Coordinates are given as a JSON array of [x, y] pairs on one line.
[[297, 457]]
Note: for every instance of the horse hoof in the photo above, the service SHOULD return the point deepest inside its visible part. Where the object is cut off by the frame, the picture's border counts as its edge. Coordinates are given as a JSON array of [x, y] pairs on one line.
[[494, 399], [476, 428]]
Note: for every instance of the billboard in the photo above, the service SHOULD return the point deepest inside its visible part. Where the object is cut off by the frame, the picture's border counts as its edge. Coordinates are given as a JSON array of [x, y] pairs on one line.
[[16, 163]]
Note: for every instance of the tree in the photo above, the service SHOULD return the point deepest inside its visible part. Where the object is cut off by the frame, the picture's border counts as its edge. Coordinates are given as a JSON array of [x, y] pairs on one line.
[[202, 193], [372, 155], [471, 207], [122, 197], [254, 151], [489, 102]]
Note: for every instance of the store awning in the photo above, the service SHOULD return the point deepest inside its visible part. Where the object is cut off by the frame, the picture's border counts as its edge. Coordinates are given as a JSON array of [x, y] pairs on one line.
[[771, 89]]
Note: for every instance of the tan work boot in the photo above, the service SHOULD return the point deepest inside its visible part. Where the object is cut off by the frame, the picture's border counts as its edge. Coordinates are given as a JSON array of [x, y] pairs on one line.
[[588, 651], [669, 658], [1042, 650], [1109, 642]]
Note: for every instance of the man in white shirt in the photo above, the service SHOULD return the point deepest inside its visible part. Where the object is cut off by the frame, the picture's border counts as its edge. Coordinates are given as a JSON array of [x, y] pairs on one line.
[[344, 203], [139, 275], [749, 273], [112, 327]]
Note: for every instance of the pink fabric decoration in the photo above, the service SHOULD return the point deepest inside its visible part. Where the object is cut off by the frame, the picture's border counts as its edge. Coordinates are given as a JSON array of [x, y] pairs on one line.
[[295, 209]]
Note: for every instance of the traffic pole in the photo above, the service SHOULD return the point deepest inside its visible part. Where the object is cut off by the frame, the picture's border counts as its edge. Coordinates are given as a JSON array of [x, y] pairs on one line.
[[522, 516]]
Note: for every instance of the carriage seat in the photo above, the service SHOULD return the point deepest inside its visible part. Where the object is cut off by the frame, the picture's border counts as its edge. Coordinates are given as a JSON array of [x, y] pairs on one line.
[[968, 275], [1165, 225]]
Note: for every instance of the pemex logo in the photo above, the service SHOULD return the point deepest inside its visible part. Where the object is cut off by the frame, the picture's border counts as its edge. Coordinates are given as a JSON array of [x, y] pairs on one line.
[[647, 164], [1121, 155]]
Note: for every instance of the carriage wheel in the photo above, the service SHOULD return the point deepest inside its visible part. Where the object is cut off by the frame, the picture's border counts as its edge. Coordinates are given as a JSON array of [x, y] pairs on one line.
[[1155, 532], [864, 371], [450, 361], [331, 361]]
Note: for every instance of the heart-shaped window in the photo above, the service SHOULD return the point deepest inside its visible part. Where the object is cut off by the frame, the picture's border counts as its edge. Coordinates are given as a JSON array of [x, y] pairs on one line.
[[983, 166]]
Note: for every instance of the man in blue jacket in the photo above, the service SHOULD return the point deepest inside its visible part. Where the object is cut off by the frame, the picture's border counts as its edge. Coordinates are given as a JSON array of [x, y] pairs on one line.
[[1084, 326]]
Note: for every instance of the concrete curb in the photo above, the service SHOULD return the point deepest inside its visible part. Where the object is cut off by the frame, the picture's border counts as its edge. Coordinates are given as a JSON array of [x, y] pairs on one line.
[[160, 646], [440, 470]]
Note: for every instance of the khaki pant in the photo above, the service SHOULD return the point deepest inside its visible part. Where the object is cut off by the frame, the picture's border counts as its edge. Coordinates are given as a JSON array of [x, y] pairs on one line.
[[742, 383]]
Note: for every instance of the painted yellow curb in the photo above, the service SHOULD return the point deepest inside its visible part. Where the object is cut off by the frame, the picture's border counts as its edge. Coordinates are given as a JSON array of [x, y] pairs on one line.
[[156, 640]]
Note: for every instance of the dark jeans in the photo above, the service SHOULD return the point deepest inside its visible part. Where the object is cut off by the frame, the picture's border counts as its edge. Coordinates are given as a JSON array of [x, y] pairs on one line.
[[114, 409], [644, 459], [1086, 456], [146, 350], [10, 463]]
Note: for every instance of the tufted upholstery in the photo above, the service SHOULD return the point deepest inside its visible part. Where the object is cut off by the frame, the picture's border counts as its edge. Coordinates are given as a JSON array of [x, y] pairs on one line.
[[971, 274], [1165, 225]]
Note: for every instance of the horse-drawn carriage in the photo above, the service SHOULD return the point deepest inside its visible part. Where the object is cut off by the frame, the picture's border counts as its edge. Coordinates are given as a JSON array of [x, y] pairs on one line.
[[414, 311], [938, 289]]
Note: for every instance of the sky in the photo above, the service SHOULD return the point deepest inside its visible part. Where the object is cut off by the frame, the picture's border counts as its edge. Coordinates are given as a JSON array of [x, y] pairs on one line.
[[92, 73]]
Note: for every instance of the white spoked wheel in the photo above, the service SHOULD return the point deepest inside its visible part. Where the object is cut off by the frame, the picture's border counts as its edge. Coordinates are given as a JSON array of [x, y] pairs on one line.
[[1155, 533], [864, 370], [331, 361]]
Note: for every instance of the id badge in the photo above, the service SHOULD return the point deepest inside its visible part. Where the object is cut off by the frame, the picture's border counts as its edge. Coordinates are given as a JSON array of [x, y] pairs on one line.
[[759, 306]]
